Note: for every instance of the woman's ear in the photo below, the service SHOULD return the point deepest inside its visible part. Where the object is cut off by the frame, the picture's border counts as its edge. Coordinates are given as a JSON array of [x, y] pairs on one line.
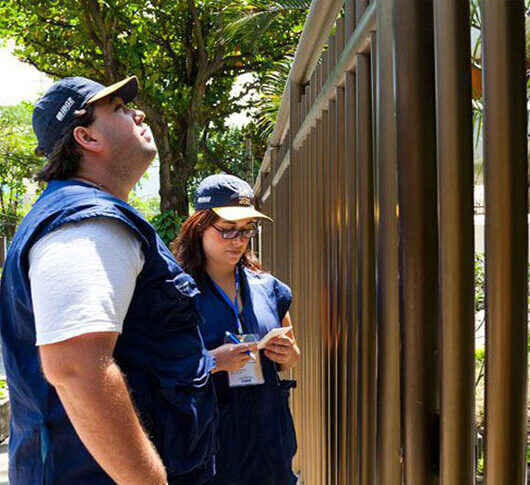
[[87, 139]]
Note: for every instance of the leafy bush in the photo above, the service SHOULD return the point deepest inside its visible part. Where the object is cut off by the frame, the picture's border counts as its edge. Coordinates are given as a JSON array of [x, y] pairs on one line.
[[167, 224]]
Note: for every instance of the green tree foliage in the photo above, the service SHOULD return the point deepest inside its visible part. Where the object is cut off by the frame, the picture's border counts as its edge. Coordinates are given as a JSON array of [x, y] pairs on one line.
[[186, 53], [271, 92], [236, 151], [17, 163]]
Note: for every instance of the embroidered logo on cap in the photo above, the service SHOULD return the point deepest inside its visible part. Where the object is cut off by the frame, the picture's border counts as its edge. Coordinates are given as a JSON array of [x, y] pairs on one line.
[[63, 111], [202, 200], [244, 200]]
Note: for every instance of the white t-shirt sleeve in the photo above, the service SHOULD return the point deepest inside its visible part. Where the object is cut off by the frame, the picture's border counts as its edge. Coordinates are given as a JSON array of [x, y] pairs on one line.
[[82, 278]]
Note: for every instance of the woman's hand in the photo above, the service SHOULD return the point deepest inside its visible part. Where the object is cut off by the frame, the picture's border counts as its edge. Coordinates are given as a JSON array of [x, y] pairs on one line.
[[283, 350], [232, 357]]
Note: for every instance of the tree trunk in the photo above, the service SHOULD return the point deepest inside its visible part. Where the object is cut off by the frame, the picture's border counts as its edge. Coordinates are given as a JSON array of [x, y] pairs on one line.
[[176, 163]]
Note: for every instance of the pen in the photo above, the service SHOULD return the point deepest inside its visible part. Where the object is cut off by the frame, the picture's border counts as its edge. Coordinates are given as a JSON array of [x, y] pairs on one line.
[[235, 340]]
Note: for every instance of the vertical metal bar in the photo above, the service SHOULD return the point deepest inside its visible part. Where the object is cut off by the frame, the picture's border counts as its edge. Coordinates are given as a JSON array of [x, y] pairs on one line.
[[341, 287], [389, 464], [416, 149], [456, 239], [360, 7], [299, 397], [304, 283], [332, 50], [352, 300], [506, 169], [310, 196], [334, 264], [366, 257], [325, 67], [332, 286], [340, 36], [350, 19], [327, 310], [294, 110], [275, 153], [324, 314], [318, 457], [313, 88], [373, 77]]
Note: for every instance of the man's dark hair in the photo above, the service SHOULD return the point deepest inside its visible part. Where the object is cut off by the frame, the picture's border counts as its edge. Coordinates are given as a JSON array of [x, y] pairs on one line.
[[64, 159]]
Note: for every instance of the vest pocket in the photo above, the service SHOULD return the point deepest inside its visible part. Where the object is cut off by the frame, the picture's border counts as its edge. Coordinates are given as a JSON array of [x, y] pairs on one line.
[[184, 426]]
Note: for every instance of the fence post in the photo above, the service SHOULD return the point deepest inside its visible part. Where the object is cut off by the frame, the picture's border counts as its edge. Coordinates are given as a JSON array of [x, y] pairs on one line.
[[416, 151], [455, 196], [389, 436], [506, 169]]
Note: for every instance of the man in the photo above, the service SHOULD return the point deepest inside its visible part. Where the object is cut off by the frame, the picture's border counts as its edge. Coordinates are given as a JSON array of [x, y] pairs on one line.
[[97, 319]]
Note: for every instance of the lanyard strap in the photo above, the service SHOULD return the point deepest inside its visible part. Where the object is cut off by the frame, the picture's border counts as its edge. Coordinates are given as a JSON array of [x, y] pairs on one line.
[[232, 304]]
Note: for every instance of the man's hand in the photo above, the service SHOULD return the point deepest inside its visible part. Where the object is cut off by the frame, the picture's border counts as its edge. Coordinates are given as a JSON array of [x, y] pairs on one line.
[[232, 357], [95, 397]]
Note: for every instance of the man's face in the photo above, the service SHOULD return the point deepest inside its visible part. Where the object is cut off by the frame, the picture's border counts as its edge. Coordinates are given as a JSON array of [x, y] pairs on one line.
[[126, 139]]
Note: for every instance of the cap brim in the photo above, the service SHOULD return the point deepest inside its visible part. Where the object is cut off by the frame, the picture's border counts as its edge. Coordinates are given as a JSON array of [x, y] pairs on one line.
[[237, 213], [127, 89]]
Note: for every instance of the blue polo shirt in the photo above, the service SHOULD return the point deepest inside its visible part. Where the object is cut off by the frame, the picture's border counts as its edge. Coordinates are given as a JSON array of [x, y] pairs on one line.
[[256, 436]]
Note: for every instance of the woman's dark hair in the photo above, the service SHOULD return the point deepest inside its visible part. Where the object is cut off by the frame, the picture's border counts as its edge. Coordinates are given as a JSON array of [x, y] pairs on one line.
[[187, 246], [65, 157]]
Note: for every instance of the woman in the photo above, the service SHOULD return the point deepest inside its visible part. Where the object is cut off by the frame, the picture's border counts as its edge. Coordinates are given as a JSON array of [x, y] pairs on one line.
[[256, 434]]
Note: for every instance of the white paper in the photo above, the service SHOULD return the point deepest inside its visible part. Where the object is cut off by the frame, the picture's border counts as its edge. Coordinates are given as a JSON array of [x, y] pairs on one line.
[[275, 332]]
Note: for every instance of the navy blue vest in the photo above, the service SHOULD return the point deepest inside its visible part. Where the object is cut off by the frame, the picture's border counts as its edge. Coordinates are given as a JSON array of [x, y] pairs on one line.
[[160, 351], [257, 439]]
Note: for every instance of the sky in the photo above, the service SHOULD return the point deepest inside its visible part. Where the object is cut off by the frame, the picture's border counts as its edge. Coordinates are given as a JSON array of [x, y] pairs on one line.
[[22, 82]]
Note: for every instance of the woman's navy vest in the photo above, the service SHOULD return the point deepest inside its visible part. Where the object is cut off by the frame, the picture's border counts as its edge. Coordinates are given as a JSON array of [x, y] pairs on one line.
[[257, 439], [160, 351]]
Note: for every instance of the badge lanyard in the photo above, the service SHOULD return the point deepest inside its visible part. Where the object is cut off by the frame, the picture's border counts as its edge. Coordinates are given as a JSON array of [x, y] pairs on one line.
[[232, 304]]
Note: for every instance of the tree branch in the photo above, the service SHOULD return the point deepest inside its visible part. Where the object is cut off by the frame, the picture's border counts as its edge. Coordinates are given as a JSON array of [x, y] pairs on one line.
[[214, 160], [50, 50], [89, 23], [55, 23], [45, 70], [95, 21], [197, 29]]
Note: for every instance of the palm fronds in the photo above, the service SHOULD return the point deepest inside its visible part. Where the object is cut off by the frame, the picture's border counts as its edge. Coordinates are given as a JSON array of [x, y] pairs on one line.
[[260, 15]]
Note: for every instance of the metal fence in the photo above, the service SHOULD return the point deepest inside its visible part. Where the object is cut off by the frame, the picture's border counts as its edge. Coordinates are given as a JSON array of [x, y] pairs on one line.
[[369, 178]]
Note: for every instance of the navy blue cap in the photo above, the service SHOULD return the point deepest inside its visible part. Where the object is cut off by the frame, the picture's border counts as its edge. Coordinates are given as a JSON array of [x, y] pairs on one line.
[[230, 197], [56, 109]]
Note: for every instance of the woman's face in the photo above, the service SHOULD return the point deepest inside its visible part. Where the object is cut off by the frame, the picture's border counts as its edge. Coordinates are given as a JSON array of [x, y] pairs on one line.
[[222, 251]]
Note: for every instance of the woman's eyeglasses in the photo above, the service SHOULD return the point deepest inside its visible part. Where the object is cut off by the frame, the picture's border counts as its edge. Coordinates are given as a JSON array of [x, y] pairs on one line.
[[233, 233]]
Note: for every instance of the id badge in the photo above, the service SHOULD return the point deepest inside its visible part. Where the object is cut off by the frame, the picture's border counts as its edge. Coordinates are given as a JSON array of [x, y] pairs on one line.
[[251, 374]]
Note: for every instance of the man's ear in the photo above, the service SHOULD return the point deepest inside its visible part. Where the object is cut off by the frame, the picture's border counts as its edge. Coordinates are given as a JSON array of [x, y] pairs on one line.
[[87, 139]]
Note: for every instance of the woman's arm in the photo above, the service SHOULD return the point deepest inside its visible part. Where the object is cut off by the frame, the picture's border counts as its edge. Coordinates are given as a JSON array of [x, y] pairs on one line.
[[283, 350]]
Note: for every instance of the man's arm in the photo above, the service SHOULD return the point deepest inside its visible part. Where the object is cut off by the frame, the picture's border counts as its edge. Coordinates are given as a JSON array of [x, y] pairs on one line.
[[95, 396]]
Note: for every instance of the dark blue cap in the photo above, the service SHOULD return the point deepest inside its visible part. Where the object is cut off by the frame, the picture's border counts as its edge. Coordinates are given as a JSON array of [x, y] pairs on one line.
[[228, 196], [56, 109]]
